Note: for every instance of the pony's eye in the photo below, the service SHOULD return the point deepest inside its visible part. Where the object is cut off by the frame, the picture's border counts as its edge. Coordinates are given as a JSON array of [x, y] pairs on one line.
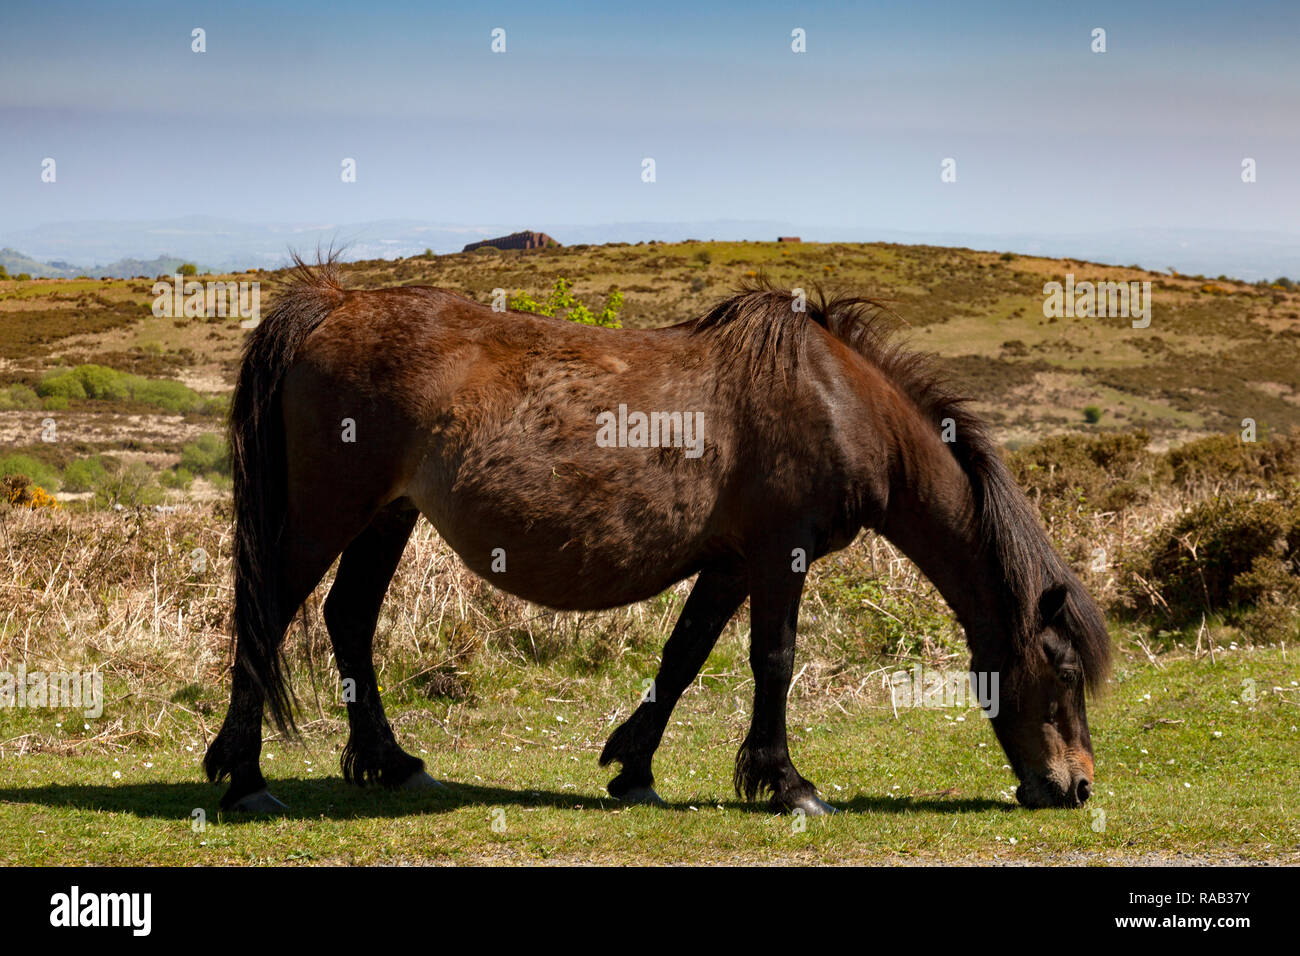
[[1070, 676]]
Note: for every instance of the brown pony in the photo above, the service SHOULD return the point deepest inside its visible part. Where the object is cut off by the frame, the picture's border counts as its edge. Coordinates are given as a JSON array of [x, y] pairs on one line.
[[582, 468]]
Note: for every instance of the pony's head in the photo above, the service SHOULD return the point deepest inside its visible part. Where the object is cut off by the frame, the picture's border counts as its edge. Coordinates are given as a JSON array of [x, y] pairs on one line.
[[1040, 716], [1028, 618]]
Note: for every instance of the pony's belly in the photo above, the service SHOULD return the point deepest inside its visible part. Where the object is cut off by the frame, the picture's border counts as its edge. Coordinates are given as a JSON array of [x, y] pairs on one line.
[[576, 575], [575, 556]]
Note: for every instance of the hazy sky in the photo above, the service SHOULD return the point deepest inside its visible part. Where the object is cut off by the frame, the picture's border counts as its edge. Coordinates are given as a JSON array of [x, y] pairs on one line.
[[1049, 137]]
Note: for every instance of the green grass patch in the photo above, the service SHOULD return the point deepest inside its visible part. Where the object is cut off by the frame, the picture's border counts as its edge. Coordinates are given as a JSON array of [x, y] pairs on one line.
[[1196, 759]]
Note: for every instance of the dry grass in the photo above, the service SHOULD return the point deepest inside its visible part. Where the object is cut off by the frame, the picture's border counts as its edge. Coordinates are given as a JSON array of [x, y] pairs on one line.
[[145, 596]]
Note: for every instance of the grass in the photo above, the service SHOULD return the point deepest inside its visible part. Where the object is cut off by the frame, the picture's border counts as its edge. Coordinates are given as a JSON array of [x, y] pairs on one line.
[[1187, 770]]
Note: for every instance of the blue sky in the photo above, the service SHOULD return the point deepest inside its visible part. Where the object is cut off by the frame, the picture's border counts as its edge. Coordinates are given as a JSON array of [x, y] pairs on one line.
[[1048, 136]]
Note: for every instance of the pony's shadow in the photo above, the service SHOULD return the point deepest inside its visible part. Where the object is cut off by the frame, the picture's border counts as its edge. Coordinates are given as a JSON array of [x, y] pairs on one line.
[[331, 798]]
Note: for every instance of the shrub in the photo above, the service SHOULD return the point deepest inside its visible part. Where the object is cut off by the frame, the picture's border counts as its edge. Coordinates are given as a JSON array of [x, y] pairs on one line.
[[1226, 458], [1092, 414], [562, 301], [100, 383], [103, 384], [1105, 471], [18, 490], [188, 269], [65, 385], [207, 455], [1223, 554], [170, 396], [179, 479], [18, 397], [128, 486], [36, 472], [84, 474]]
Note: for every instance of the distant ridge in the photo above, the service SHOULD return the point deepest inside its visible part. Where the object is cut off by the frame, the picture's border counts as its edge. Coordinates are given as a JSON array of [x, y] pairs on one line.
[[16, 263], [146, 247]]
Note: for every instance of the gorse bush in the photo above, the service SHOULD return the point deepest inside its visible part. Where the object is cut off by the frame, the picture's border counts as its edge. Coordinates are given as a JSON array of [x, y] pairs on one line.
[[1225, 459], [1222, 555], [1102, 473], [18, 490], [1230, 553]]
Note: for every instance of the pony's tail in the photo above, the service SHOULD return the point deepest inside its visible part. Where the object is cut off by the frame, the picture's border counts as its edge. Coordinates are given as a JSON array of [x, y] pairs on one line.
[[260, 485]]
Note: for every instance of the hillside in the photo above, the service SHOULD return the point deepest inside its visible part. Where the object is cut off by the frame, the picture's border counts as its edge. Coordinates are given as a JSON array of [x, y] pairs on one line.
[[1215, 352]]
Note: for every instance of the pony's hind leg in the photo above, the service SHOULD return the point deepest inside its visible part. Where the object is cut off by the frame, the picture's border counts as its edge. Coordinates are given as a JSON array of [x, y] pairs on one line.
[[351, 614], [714, 599], [236, 750]]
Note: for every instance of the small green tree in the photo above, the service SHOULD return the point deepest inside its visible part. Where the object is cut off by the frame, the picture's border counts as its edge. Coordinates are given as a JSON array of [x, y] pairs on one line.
[[189, 269]]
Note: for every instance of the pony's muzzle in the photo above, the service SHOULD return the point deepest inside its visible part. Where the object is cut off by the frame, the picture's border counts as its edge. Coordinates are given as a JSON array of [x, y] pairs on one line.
[[1040, 792]]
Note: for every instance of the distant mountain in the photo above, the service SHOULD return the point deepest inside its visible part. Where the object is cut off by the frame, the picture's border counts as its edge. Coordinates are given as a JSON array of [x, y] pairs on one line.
[[229, 245], [161, 266], [126, 247], [16, 263]]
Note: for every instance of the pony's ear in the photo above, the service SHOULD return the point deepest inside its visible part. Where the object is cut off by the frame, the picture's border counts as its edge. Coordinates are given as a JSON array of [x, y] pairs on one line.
[[1051, 603]]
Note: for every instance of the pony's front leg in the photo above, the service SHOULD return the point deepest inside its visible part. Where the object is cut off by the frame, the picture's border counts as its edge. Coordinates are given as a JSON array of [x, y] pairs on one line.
[[763, 762]]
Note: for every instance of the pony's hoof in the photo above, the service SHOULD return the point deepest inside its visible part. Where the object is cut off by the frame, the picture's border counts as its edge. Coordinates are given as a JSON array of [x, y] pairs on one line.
[[642, 796], [259, 801], [420, 780], [810, 805]]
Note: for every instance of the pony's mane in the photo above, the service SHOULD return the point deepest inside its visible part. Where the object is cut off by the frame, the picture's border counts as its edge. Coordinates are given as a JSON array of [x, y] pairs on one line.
[[759, 325]]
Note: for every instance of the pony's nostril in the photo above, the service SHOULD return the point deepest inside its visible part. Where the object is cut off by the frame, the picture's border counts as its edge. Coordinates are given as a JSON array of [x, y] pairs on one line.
[[1083, 791]]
